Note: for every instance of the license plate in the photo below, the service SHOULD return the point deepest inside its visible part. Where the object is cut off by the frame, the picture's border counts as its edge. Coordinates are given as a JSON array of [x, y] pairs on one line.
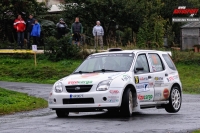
[[76, 96]]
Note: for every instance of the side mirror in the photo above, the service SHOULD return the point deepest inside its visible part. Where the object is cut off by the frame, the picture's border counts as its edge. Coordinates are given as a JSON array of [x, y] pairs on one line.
[[139, 69]]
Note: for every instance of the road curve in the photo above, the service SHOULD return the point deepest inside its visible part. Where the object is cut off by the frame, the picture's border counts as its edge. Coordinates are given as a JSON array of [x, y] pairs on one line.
[[146, 121]]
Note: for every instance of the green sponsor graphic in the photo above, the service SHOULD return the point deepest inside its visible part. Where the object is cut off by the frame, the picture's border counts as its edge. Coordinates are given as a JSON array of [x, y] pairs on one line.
[[84, 82]]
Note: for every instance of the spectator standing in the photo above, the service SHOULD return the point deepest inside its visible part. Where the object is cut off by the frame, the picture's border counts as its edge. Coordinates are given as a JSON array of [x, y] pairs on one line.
[[20, 26], [29, 26], [61, 28], [77, 30], [35, 33], [98, 34]]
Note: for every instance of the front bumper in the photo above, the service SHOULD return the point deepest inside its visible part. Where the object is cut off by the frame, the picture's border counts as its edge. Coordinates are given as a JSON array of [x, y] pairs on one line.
[[102, 99]]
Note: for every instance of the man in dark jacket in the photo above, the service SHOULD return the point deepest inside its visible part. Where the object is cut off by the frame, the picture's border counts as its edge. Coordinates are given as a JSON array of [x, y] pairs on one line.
[[30, 22], [61, 27], [77, 30]]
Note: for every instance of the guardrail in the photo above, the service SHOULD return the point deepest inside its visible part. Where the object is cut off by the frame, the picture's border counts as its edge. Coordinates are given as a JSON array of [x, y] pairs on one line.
[[19, 51]]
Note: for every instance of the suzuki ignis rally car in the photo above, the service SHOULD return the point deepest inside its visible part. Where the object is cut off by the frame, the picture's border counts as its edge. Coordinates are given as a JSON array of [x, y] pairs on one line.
[[122, 81]]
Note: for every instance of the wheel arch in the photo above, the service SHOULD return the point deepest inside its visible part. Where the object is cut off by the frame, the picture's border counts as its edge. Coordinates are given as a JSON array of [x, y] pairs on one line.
[[134, 93], [176, 84]]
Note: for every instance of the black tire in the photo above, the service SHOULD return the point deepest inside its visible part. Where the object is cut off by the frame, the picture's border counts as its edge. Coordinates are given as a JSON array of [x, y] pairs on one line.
[[175, 100], [62, 113], [126, 108]]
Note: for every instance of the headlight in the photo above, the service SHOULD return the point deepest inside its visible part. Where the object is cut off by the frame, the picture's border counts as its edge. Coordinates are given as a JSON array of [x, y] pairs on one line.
[[58, 87], [103, 85]]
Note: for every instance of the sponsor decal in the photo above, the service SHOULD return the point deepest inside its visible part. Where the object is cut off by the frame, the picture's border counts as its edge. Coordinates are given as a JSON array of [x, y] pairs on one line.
[[113, 96], [76, 96], [158, 94], [145, 97], [140, 79], [126, 77], [183, 11], [166, 93], [113, 100], [142, 87], [114, 91], [158, 78], [51, 101], [151, 84], [143, 78], [136, 79], [79, 82], [89, 75], [171, 78]]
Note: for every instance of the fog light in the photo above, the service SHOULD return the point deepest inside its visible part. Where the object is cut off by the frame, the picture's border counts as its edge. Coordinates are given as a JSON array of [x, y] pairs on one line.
[[104, 98]]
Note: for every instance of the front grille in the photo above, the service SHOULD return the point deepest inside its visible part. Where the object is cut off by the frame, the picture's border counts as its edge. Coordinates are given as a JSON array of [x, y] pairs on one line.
[[82, 88], [78, 101]]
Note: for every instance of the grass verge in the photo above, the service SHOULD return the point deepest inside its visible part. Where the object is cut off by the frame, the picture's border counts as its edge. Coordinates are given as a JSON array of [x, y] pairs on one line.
[[11, 102], [15, 68], [24, 70], [197, 131]]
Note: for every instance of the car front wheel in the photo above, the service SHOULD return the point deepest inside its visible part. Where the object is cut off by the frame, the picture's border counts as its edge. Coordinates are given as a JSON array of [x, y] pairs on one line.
[[62, 113], [127, 103], [175, 100]]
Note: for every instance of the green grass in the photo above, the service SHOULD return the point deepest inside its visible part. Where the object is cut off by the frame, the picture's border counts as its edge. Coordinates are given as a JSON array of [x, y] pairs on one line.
[[197, 131], [11, 102], [189, 75], [24, 70]]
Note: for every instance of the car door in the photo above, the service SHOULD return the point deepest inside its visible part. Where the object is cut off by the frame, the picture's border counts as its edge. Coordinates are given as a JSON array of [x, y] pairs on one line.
[[159, 74], [143, 79]]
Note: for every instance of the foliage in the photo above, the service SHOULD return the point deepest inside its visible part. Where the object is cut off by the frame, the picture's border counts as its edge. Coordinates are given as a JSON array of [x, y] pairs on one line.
[[18, 68], [11, 102], [125, 14], [61, 49], [9, 9], [151, 33], [47, 29], [23, 70]]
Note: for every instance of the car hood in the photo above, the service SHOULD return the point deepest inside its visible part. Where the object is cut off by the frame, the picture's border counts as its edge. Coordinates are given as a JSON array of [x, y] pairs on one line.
[[89, 78]]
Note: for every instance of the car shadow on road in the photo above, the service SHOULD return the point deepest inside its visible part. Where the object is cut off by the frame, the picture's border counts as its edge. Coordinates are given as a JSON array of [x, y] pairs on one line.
[[117, 116]]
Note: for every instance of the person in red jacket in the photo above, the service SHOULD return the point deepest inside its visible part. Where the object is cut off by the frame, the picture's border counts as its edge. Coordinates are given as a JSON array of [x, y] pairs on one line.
[[20, 26]]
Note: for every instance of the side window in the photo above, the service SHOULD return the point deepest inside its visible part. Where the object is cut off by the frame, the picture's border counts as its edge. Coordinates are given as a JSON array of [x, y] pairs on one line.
[[156, 63], [141, 62], [169, 61]]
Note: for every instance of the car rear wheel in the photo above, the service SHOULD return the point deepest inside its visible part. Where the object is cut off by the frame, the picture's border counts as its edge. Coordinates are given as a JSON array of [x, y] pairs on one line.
[[127, 103], [175, 100], [62, 113]]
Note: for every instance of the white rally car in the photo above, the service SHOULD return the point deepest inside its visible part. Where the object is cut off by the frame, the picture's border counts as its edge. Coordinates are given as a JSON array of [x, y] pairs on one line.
[[122, 81]]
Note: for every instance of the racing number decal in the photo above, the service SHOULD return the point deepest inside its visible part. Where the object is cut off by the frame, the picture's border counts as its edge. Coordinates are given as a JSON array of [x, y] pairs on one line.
[[136, 79]]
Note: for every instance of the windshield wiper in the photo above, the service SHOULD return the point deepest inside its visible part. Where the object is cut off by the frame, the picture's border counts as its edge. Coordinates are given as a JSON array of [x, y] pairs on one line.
[[82, 72], [106, 70]]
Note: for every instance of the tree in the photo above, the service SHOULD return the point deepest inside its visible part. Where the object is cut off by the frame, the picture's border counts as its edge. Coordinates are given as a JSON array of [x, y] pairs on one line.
[[125, 13], [9, 9]]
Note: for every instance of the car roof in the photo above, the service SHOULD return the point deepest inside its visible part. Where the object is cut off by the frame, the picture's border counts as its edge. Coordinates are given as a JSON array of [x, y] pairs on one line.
[[131, 51]]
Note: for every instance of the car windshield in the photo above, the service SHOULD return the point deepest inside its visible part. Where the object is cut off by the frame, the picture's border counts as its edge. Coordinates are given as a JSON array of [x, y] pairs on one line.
[[106, 63]]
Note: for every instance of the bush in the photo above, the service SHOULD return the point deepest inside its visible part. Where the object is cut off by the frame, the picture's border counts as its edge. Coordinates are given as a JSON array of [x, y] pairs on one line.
[[60, 49]]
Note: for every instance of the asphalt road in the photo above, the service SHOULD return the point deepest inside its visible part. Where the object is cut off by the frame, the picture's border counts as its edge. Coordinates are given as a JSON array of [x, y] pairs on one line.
[[146, 121]]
